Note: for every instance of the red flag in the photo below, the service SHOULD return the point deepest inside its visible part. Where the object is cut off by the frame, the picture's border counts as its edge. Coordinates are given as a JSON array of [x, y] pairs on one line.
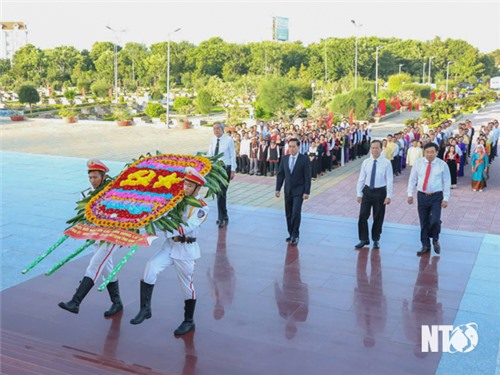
[[351, 116]]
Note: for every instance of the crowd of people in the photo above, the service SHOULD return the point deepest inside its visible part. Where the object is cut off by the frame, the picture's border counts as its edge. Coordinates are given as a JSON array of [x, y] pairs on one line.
[[455, 147], [261, 147]]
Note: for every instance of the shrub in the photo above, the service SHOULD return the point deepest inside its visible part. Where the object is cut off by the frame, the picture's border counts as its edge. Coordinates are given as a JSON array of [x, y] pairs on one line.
[[395, 81], [418, 90], [154, 109], [156, 95], [181, 101]]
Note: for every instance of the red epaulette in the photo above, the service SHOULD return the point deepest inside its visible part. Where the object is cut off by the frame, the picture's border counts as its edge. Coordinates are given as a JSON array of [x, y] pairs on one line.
[[203, 203]]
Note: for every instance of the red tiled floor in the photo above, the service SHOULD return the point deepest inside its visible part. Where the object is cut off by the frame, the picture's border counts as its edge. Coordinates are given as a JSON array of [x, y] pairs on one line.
[[263, 307]]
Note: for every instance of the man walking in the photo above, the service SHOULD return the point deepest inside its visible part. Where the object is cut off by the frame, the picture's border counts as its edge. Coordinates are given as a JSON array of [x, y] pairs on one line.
[[222, 143], [374, 189], [431, 176], [295, 171]]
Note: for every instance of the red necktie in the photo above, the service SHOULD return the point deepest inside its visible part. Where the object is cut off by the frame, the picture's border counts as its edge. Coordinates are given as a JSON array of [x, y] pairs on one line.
[[426, 179]]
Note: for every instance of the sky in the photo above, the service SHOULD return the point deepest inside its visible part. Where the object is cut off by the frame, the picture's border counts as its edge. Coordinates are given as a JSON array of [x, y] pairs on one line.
[[81, 23]]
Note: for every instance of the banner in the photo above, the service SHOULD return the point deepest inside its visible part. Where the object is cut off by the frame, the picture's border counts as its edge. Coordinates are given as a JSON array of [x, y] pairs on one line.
[[382, 107], [117, 236]]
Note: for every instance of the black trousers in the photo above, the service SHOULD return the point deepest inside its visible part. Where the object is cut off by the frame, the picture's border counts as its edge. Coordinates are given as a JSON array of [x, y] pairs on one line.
[[429, 213], [245, 164], [398, 164], [394, 164], [222, 197], [372, 198], [293, 208]]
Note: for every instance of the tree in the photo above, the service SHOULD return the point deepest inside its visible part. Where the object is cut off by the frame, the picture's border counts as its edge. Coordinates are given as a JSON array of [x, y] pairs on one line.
[[70, 95], [210, 56], [28, 64], [101, 88], [204, 102], [28, 94], [277, 95], [342, 104]]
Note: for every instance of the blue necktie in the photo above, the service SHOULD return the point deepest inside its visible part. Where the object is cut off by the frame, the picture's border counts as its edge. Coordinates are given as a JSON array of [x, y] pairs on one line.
[[372, 177], [292, 164]]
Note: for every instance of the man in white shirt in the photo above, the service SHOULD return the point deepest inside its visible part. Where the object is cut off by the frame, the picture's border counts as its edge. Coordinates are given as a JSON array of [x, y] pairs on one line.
[[431, 177], [223, 144], [374, 189]]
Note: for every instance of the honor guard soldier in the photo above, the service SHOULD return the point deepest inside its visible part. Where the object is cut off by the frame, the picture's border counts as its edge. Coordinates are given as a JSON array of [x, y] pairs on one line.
[[102, 261], [180, 250]]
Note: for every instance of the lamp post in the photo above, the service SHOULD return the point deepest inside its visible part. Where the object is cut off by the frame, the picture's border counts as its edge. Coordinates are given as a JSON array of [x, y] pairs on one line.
[[423, 73], [448, 73], [116, 59], [313, 85], [167, 118], [376, 73], [356, 55], [430, 63], [400, 65]]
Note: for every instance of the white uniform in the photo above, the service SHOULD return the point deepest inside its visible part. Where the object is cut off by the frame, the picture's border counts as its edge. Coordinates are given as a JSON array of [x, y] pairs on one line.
[[181, 255], [101, 263]]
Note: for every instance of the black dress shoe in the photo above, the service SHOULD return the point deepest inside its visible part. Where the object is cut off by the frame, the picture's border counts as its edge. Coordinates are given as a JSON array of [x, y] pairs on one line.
[[424, 250], [287, 239], [361, 244], [376, 245], [437, 247], [221, 223], [294, 241]]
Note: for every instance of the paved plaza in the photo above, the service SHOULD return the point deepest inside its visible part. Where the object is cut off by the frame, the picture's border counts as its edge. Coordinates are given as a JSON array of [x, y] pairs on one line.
[[319, 308]]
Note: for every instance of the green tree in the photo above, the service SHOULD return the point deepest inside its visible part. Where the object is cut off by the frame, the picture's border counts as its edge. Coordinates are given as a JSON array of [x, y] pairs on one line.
[[70, 95], [396, 81], [210, 56], [342, 104], [28, 64], [101, 88], [362, 99], [277, 95], [204, 102], [28, 94]]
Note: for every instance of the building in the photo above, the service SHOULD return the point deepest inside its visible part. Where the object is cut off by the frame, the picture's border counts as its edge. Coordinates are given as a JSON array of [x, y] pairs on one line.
[[14, 36]]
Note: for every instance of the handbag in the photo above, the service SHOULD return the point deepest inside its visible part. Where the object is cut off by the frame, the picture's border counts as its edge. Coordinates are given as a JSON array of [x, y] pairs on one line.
[[486, 174]]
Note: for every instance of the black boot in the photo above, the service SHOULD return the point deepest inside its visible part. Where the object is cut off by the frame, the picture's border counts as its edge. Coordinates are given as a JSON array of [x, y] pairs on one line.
[[74, 305], [145, 312], [114, 294], [188, 323]]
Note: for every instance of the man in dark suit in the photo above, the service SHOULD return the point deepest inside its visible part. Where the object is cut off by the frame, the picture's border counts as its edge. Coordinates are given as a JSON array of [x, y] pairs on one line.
[[295, 171]]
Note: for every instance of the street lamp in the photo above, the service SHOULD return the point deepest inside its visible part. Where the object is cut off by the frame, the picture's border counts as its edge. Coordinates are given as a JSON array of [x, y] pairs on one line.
[[376, 73], [356, 55], [167, 118], [423, 73], [400, 65], [430, 63], [313, 85], [447, 73], [116, 59]]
